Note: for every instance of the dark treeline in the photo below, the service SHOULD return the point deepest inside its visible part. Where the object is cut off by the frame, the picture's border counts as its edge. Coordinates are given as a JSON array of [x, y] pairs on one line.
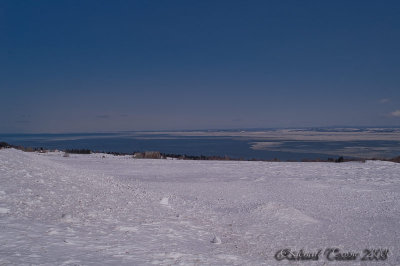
[[200, 157], [78, 151], [4, 145]]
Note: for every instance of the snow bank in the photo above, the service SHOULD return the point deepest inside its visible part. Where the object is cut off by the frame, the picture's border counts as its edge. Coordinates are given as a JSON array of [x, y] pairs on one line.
[[101, 209]]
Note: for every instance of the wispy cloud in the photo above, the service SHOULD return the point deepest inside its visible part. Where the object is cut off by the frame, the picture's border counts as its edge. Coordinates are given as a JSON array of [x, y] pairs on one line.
[[22, 121], [395, 113], [384, 100], [103, 116]]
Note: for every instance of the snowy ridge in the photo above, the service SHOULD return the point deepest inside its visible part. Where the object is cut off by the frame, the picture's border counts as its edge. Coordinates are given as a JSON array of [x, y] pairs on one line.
[[102, 210]]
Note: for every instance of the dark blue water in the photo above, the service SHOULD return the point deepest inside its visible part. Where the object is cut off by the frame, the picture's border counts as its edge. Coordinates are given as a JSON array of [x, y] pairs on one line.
[[238, 148]]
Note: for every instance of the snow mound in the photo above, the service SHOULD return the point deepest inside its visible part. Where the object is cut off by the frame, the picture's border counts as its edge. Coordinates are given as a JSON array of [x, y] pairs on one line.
[[216, 240], [284, 213]]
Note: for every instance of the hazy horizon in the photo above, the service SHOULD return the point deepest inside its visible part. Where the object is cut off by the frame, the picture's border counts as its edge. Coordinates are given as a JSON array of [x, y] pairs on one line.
[[311, 128]]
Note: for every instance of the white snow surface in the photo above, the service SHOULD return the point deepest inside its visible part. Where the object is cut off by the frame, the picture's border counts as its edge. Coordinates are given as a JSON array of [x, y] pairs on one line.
[[101, 209]]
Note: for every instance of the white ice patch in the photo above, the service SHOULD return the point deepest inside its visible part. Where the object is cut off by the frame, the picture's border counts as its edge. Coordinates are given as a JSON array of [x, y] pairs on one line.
[[4, 210], [171, 258], [52, 231], [165, 201], [175, 255], [130, 229], [228, 258], [66, 217], [71, 262]]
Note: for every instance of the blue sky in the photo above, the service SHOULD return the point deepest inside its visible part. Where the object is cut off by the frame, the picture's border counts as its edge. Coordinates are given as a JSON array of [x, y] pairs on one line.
[[84, 66]]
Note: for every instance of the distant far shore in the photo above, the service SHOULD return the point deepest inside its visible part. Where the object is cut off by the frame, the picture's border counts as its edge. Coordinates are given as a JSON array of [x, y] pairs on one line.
[[160, 155]]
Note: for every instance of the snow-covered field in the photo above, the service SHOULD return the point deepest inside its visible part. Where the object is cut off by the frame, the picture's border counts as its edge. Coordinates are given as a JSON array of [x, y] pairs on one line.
[[101, 210]]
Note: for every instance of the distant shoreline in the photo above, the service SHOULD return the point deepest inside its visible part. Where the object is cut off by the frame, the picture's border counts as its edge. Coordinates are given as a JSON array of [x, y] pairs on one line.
[[160, 155], [295, 144]]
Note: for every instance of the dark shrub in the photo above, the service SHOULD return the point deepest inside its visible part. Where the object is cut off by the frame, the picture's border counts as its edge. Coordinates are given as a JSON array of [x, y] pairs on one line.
[[4, 145], [339, 160], [395, 159], [152, 155], [78, 151]]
